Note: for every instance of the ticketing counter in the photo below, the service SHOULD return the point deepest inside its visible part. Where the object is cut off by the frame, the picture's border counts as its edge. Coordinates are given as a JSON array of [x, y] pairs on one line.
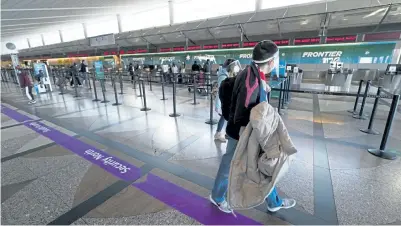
[[337, 75], [391, 79]]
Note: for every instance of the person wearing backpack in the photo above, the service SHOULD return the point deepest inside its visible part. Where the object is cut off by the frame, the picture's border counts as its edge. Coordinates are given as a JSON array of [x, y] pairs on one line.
[[227, 75], [250, 88]]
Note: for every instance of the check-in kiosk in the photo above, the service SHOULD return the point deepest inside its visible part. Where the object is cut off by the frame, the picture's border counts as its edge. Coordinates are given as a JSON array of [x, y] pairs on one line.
[[337, 75], [392, 78], [295, 72]]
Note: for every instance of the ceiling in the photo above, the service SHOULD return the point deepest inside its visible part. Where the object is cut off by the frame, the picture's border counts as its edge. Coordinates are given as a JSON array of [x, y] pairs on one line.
[[340, 16]]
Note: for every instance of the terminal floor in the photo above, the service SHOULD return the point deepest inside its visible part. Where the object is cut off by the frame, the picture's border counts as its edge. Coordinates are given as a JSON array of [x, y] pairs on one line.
[[333, 179]]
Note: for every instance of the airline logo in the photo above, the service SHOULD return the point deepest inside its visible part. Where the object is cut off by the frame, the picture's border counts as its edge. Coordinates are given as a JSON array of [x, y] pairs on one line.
[[245, 56], [327, 57]]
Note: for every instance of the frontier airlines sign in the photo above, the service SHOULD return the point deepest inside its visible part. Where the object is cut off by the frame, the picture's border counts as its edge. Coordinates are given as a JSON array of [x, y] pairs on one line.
[[327, 57]]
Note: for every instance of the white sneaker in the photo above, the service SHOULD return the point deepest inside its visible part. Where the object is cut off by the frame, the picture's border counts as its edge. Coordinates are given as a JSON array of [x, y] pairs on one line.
[[220, 137], [223, 206], [32, 102], [287, 203]]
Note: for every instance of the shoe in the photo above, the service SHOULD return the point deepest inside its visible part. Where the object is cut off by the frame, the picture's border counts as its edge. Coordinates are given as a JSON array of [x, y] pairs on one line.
[[286, 204], [32, 102], [223, 206], [220, 137]]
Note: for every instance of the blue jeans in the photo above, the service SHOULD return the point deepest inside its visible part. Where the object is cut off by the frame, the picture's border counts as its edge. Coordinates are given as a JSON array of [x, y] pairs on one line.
[[220, 124], [221, 182]]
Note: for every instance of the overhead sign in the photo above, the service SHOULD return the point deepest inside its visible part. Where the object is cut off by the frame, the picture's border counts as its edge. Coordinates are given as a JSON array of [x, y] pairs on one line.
[[250, 44], [102, 40], [107, 53], [341, 39], [192, 48], [213, 46], [283, 42], [163, 50], [229, 45], [306, 41], [382, 36], [141, 50], [179, 48], [77, 55]]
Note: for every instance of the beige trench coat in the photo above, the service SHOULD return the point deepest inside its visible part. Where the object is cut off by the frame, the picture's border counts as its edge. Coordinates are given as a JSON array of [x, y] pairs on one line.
[[262, 156]]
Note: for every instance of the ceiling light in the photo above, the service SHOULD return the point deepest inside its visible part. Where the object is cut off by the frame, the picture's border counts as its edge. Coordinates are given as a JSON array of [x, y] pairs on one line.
[[304, 22], [345, 18], [375, 12]]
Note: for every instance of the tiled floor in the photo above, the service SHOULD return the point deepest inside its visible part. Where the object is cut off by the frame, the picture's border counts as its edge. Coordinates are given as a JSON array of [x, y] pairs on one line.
[[44, 182]]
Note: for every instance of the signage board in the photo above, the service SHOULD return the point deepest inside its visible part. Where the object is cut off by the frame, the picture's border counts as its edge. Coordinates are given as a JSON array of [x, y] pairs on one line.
[[341, 39], [141, 50], [213, 46], [382, 36], [250, 44], [99, 70], [178, 48], [192, 48], [283, 42], [229, 45], [306, 41], [163, 50], [102, 40]]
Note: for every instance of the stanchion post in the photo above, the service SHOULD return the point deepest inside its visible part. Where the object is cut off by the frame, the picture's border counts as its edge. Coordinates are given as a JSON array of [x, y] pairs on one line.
[[115, 91], [139, 86], [74, 77], [195, 90], [102, 83], [283, 87], [94, 88], [145, 107], [121, 83], [353, 111], [150, 81], [370, 129], [382, 152], [162, 81], [174, 114], [211, 121], [88, 78], [365, 95], [279, 97]]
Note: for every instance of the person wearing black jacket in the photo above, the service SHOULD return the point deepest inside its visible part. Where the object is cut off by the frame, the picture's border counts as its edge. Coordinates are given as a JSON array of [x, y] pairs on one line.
[[131, 72], [74, 75], [250, 88], [195, 67]]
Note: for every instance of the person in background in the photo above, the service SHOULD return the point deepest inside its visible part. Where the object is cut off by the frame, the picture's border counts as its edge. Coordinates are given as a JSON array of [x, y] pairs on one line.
[[174, 69], [249, 90], [207, 66], [224, 73], [131, 72], [74, 75], [25, 82], [195, 67], [39, 76], [83, 70]]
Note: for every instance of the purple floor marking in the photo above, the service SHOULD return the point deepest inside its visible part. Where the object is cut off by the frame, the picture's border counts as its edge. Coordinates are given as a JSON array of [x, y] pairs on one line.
[[185, 201], [189, 203]]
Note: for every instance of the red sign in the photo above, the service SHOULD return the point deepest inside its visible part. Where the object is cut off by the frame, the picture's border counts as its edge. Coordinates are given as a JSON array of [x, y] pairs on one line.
[[250, 44], [131, 52], [107, 53], [382, 36], [214, 46], [284, 42], [306, 41], [339, 39], [77, 55], [141, 50], [180, 48], [163, 50], [191, 48], [229, 45], [122, 52]]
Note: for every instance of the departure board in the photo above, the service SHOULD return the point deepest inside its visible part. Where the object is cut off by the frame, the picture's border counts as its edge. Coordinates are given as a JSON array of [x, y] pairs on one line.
[[213, 46], [341, 39], [382, 36], [283, 42], [130, 51], [77, 55], [178, 48], [250, 44], [192, 48], [107, 53], [163, 50], [229, 45], [141, 50], [306, 41]]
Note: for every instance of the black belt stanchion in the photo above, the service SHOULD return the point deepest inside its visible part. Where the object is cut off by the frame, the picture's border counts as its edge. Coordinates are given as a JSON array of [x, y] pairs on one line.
[[94, 88], [120, 77], [382, 152], [75, 85], [211, 121], [353, 111], [139, 86], [174, 114], [365, 94], [370, 129], [150, 81], [162, 81], [279, 97], [145, 107], [88, 79], [195, 90], [102, 83], [115, 91], [284, 85]]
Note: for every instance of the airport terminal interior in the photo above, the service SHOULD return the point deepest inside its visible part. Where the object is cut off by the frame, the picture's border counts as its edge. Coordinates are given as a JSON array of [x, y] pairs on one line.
[[110, 112]]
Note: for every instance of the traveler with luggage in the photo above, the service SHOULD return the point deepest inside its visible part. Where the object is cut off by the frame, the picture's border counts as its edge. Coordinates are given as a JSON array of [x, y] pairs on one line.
[[249, 90], [26, 84], [226, 75], [131, 72]]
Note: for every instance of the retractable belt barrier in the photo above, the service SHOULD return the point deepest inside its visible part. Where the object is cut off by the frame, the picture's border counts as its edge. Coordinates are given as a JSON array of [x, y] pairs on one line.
[[174, 114], [94, 88], [211, 121]]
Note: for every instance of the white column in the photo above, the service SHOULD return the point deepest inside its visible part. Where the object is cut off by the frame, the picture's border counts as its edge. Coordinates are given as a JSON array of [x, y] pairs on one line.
[[171, 11], [43, 39], [120, 29], [29, 43], [258, 5]]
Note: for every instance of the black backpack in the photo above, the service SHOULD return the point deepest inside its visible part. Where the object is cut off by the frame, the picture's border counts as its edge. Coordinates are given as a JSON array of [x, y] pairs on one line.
[[225, 93]]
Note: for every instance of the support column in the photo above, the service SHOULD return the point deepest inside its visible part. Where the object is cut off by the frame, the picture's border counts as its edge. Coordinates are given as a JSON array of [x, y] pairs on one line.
[[120, 29], [258, 5], [85, 32], [186, 43], [61, 36], [43, 39], [171, 11], [29, 43]]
